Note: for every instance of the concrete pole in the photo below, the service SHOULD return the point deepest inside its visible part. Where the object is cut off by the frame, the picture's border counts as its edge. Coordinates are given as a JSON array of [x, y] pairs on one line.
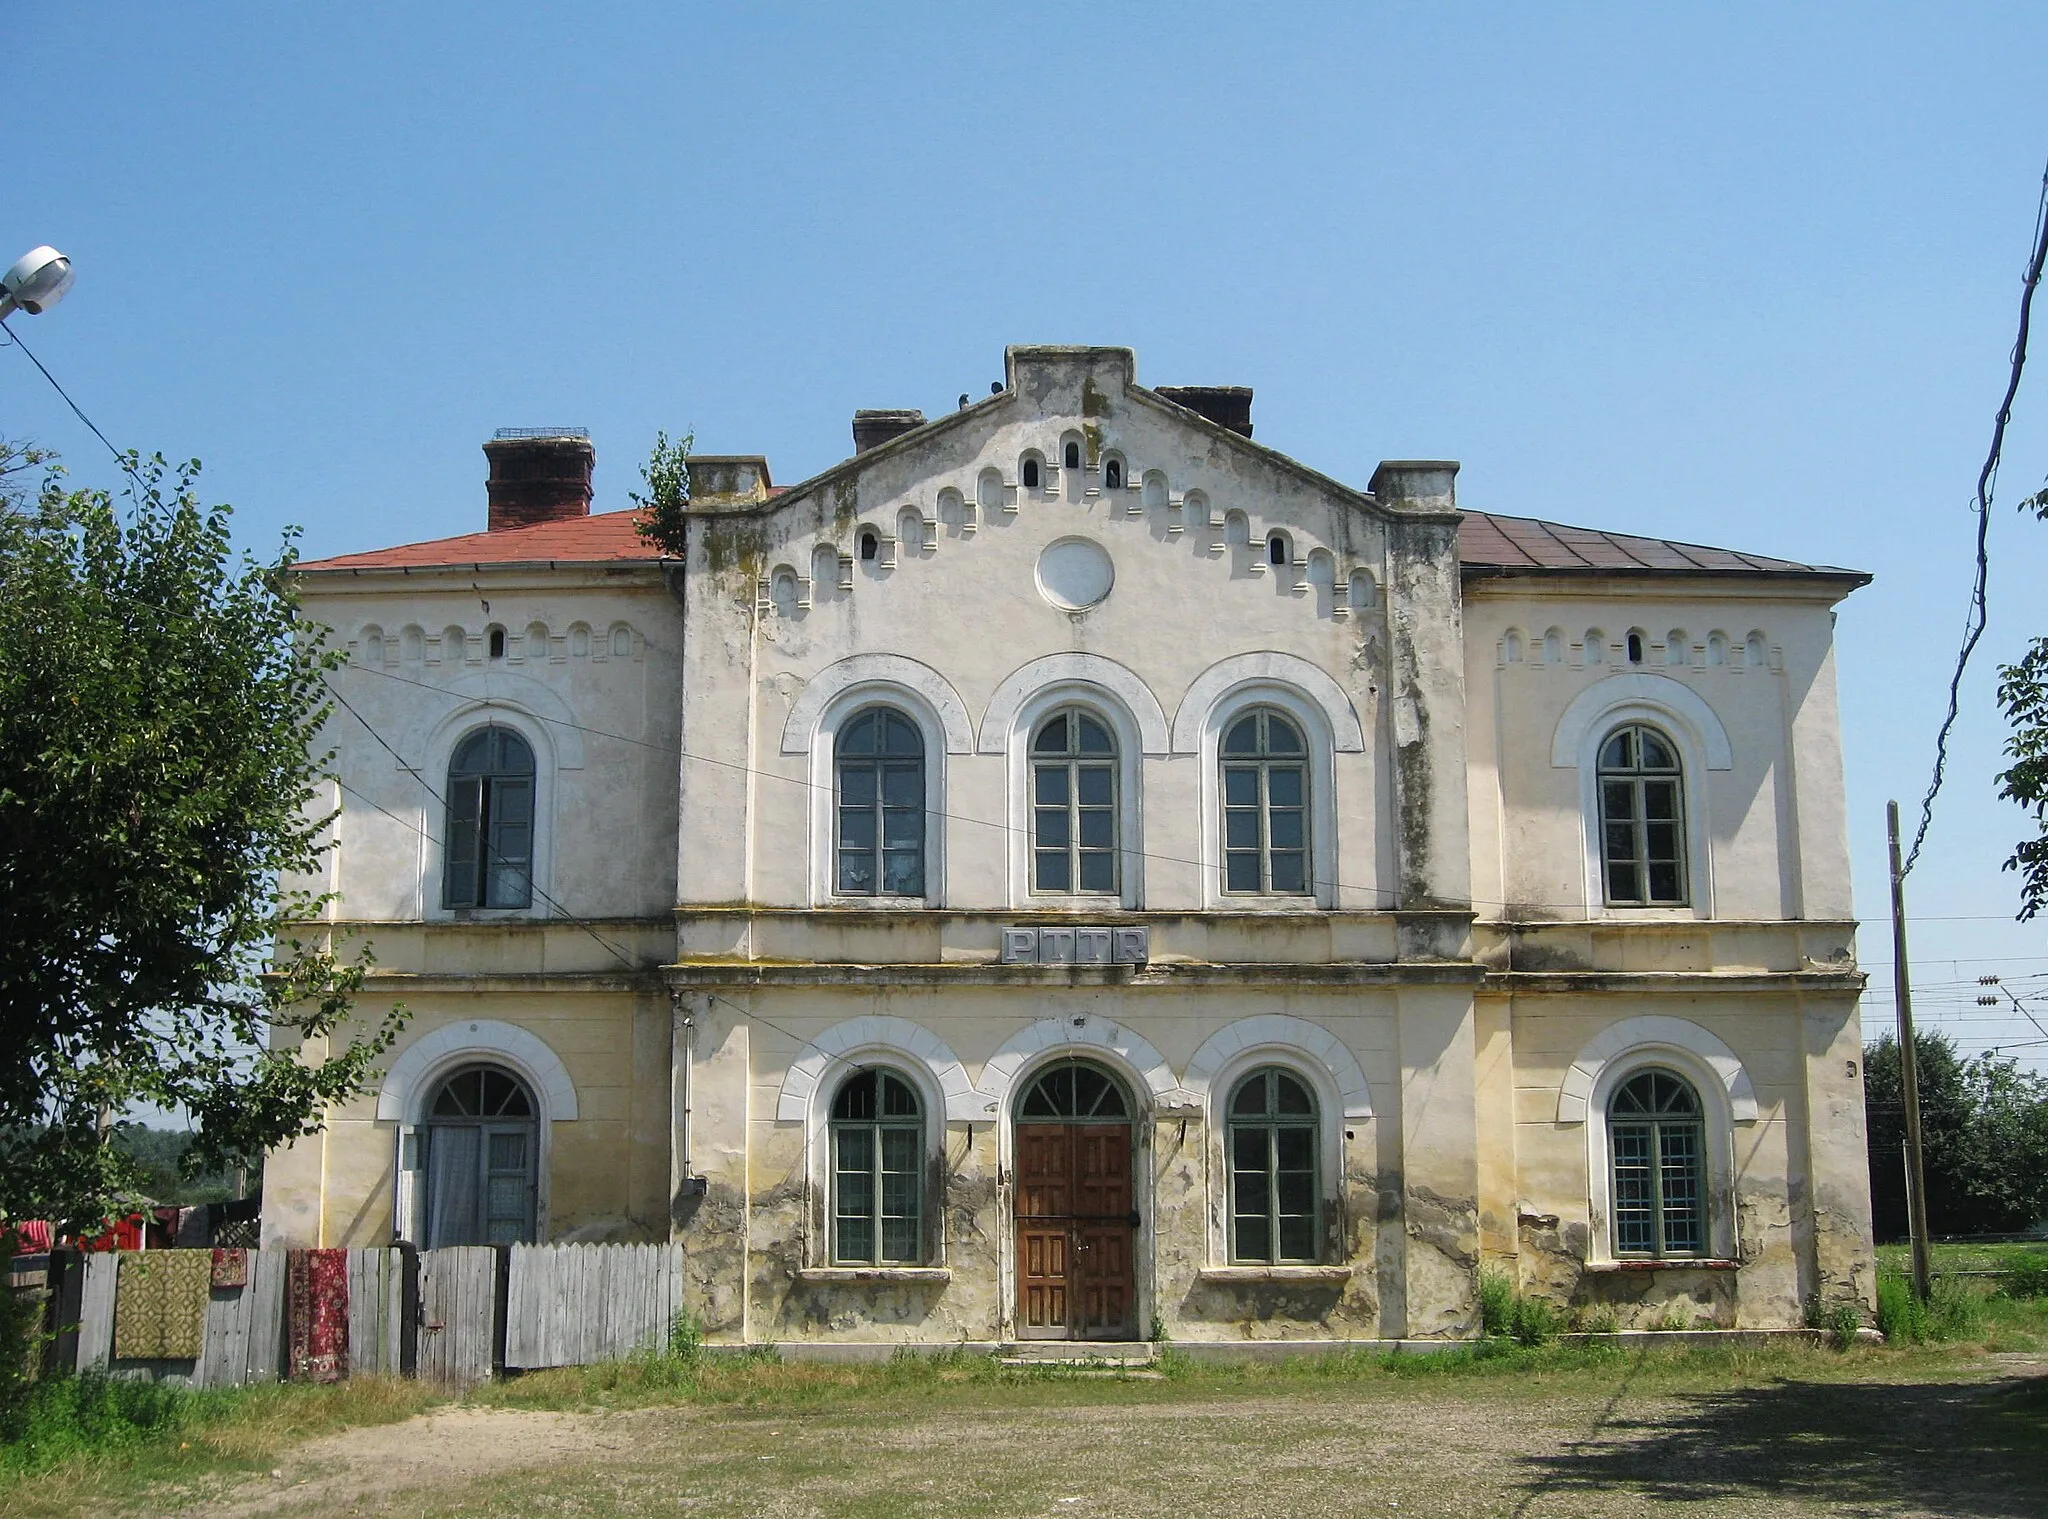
[[1909, 1067]]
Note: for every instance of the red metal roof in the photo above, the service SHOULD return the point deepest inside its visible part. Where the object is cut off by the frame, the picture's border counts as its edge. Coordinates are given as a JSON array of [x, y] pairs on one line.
[[1488, 543]]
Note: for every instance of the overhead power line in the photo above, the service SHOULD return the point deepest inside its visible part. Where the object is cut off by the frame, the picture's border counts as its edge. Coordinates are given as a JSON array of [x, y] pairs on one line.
[[1987, 479]]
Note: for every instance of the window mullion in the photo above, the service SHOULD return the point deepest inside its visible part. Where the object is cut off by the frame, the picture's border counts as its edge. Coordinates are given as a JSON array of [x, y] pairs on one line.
[[1657, 1186]]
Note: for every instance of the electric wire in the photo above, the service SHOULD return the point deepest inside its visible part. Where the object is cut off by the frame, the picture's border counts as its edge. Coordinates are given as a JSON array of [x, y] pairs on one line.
[[1987, 477], [124, 460]]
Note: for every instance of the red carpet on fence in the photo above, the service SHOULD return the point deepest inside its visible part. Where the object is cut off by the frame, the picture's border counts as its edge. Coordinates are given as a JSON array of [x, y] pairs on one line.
[[316, 1294]]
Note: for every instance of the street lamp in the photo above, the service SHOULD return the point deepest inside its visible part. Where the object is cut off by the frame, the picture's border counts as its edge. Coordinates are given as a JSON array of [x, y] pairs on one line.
[[37, 282]]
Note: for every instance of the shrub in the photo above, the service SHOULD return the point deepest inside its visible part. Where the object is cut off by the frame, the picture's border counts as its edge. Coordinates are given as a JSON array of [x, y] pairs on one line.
[[19, 1344], [1496, 1303], [685, 1337], [1952, 1311], [1843, 1324], [90, 1415], [2027, 1276]]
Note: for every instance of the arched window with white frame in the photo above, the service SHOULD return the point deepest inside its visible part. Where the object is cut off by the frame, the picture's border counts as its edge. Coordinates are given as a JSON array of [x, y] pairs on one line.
[[877, 1149], [880, 804], [1657, 1153], [480, 1161], [1265, 792], [1642, 819], [1272, 1148], [1074, 823], [489, 839]]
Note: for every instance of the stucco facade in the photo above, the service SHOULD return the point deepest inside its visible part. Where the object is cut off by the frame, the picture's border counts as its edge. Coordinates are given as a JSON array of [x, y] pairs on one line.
[[1458, 1010]]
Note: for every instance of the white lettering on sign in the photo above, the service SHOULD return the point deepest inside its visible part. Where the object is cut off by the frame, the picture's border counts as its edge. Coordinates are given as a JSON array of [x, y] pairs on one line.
[[1076, 946]]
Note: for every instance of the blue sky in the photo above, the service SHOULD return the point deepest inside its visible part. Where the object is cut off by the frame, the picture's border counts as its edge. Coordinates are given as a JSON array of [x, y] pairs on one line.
[[1736, 276]]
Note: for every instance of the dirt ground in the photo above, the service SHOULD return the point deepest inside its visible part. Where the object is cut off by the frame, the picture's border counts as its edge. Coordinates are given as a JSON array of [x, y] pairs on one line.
[[1956, 1442]]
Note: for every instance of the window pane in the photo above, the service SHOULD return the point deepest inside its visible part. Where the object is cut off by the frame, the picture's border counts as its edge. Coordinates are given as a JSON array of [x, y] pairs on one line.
[[1240, 829], [1052, 873], [856, 828], [1094, 738], [856, 873], [899, 1239], [899, 1150], [1240, 787], [1284, 829], [1660, 800], [1241, 872], [1679, 1144], [856, 1100], [1248, 1153], [903, 786], [1098, 871], [903, 875], [1252, 1234], [1095, 785], [508, 1152], [1664, 885], [1618, 800], [903, 736], [1298, 1238], [1290, 873], [1251, 1096], [1622, 884], [1294, 1147], [1098, 828], [465, 810], [1289, 1095], [1243, 737], [1656, 753], [902, 828], [1283, 786], [1052, 738], [1619, 752], [856, 1238], [1052, 827], [1052, 785], [1633, 1218], [856, 785], [1281, 737]]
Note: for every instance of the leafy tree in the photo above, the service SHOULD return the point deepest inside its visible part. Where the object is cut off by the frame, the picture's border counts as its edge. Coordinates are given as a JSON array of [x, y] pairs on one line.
[[662, 509], [159, 699], [2023, 698], [1983, 1135]]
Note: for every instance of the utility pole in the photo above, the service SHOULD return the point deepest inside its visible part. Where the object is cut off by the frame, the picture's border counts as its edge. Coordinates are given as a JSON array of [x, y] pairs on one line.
[[1909, 1066]]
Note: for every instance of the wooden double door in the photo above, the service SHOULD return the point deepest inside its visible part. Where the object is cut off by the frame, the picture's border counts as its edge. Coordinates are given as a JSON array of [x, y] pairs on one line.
[[1077, 1232]]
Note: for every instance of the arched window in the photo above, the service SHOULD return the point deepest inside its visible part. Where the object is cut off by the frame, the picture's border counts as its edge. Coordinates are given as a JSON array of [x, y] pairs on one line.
[[1265, 805], [482, 1147], [1030, 474], [1642, 819], [1075, 1091], [1656, 1138], [879, 755], [877, 1171], [1073, 456], [870, 545], [1273, 1191], [490, 822], [1073, 805], [497, 643], [1113, 474], [1276, 549]]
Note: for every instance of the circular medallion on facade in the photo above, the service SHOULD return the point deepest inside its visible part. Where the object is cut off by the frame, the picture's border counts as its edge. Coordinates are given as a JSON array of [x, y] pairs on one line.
[[1075, 573]]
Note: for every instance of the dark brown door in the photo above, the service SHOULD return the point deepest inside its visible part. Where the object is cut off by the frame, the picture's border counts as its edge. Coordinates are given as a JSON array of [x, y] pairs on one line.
[[1075, 1231]]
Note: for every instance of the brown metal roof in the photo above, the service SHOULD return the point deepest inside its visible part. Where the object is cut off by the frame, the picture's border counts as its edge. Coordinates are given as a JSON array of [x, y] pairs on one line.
[[1490, 545]]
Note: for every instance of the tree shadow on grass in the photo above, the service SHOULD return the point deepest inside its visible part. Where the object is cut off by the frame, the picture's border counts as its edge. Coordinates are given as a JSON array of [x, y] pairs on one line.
[[1971, 1449]]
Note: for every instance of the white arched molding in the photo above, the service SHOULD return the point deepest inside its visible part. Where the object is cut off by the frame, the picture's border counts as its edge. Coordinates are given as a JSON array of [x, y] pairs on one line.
[[1601, 705], [1695, 1051], [821, 738], [877, 1040], [883, 673], [1275, 1039], [1132, 746], [1227, 703], [1266, 668], [1074, 671], [1130, 1054], [1681, 714], [475, 696], [548, 741], [416, 1075], [410, 1082]]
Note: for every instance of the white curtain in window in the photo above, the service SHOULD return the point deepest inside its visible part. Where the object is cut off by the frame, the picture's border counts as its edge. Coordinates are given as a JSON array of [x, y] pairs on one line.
[[451, 1186]]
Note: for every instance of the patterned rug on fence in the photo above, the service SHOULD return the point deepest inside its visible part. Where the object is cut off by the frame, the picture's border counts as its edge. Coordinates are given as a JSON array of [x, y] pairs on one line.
[[316, 1289], [230, 1267], [160, 1305]]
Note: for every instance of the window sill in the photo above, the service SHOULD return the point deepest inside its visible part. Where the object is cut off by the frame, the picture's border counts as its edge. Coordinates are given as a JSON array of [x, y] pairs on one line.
[[1668, 1263], [819, 1276], [1330, 1276]]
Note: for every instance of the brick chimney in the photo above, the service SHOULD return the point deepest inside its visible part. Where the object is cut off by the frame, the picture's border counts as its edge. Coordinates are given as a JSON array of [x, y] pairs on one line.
[[871, 429], [538, 474], [1226, 405]]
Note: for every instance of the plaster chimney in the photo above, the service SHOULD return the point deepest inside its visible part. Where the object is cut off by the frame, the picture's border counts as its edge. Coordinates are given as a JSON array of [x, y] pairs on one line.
[[1226, 405], [538, 474], [871, 429]]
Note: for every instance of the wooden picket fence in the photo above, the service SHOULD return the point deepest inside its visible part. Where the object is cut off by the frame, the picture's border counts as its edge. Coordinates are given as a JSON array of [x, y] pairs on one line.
[[455, 1316]]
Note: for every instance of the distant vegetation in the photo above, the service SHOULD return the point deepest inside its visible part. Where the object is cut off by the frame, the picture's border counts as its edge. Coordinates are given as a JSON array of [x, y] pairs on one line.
[[156, 1153], [1984, 1130]]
